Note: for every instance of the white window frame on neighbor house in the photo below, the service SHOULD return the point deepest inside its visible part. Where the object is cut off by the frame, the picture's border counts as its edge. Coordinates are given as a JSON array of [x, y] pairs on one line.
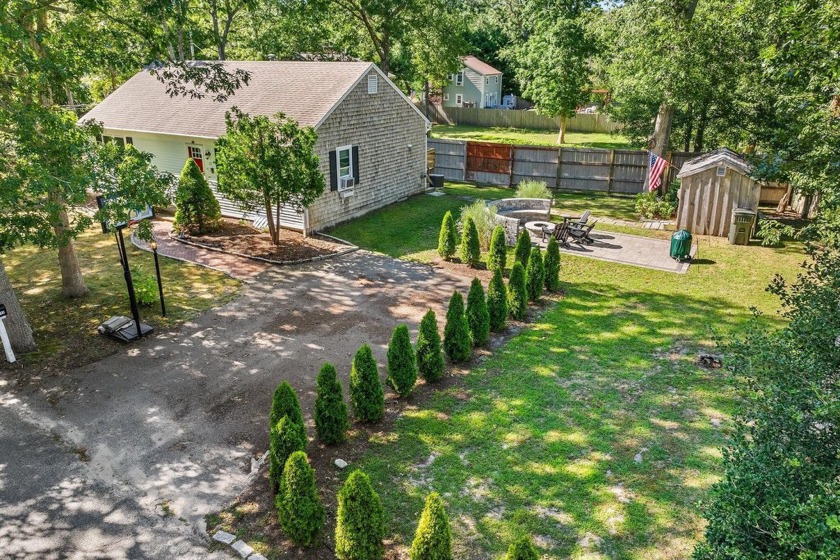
[[497, 80], [487, 81], [119, 140], [349, 166], [446, 97], [459, 78], [459, 99]]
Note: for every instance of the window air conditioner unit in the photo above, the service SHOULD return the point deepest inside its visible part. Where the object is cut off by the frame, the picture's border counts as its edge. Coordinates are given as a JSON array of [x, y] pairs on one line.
[[345, 187]]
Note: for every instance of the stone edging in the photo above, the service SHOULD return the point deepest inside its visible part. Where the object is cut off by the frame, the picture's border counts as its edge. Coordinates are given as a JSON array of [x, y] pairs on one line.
[[349, 250], [238, 545]]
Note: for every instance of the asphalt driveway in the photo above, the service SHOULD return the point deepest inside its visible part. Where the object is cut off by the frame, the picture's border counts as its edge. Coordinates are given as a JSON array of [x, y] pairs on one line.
[[140, 446]]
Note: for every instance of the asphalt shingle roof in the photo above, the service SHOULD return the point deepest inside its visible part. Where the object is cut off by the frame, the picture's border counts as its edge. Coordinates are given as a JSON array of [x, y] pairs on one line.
[[304, 91], [480, 66]]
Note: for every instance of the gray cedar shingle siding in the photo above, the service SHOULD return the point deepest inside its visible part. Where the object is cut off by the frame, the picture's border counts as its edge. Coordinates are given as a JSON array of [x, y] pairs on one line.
[[383, 126]]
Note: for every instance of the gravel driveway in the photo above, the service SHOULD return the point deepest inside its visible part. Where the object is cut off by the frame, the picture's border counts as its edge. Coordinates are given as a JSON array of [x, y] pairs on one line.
[[143, 444]]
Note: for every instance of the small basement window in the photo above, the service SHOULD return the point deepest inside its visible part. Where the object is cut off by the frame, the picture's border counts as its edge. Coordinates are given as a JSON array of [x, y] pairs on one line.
[[373, 83]]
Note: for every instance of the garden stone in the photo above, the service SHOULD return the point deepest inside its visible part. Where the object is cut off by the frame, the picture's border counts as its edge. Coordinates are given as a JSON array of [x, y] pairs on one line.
[[340, 463], [224, 537], [716, 422], [242, 548], [256, 556], [638, 458]]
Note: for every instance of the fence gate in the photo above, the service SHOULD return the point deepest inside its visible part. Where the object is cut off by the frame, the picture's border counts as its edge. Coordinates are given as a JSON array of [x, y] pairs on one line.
[[489, 163]]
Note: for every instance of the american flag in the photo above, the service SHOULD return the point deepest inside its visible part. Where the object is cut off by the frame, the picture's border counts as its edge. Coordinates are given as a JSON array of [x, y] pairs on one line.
[[657, 166]]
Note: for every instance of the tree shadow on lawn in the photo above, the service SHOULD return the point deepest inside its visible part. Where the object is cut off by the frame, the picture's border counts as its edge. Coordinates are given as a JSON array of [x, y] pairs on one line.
[[543, 436]]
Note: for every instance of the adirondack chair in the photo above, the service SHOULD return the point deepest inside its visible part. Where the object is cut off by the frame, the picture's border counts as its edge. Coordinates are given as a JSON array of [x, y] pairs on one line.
[[561, 234], [581, 233]]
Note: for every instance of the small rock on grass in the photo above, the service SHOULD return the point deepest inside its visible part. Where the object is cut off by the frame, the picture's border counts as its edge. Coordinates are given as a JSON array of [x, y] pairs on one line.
[[340, 463], [638, 458], [242, 548], [224, 537]]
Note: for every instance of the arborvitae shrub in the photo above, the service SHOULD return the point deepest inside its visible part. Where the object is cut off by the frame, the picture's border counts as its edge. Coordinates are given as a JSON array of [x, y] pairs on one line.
[[522, 549], [535, 275], [366, 393], [402, 363], [430, 364], [478, 317], [331, 422], [497, 302], [456, 332], [433, 539], [299, 509], [552, 265], [448, 238], [517, 292], [523, 247], [360, 522], [287, 437], [497, 257], [285, 403], [470, 246], [196, 209]]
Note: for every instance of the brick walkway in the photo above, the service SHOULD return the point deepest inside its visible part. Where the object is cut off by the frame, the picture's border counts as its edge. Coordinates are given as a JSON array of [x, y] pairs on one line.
[[237, 267]]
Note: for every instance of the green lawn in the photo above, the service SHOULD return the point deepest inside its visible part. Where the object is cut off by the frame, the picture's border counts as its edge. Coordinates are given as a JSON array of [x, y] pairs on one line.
[[65, 330], [621, 207], [528, 137], [541, 437]]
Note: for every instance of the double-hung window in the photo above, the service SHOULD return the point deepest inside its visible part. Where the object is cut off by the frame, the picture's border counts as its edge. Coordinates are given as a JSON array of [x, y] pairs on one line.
[[459, 78], [345, 162]]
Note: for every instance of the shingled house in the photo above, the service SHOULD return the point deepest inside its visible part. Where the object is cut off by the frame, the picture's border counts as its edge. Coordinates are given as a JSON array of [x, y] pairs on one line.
[[371, 138]]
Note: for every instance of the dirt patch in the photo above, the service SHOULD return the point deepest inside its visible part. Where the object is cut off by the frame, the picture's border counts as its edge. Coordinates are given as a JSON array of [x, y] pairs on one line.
[[238, 238]]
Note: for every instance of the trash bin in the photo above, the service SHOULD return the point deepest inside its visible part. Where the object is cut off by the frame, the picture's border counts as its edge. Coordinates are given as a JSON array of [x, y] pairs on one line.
[[740, 231], [436, 181], [681, 245]]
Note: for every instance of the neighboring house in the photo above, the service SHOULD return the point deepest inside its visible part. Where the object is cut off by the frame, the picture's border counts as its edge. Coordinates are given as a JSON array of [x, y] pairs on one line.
[[477, 85], [371, 138]]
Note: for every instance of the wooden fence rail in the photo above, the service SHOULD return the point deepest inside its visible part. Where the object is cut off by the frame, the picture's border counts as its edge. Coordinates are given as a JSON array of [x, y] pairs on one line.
[[582, 122], [573, 169]]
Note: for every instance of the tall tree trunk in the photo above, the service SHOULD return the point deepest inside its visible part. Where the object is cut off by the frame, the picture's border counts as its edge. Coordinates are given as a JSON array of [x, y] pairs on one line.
[[561, 137], [272, 227], [20, 333], [662, 129], [699, 141], [72, 281], [689, 123]]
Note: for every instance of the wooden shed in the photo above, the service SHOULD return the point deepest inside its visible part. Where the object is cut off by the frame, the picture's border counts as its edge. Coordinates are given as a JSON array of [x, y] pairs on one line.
[[713, 185]]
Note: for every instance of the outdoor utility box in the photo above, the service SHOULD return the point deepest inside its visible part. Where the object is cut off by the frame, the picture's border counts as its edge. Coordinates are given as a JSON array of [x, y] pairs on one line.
[[743, 221], [681, 245], [436, 181]]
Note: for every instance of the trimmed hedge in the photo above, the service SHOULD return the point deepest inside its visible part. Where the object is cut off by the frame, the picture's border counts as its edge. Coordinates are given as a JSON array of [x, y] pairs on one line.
[[433, 539], [497, 302], [552, 265], [535, 275], [331, 420], [497, 257], [517, 292], [285, 403], [430, 363], [470, 245], [360, 522], [447, 239], [523, 247], [522, 549], [478, 317], [286, 437], [299, 509], [366, 393], [456, 332], [196, 208], [402, 363]]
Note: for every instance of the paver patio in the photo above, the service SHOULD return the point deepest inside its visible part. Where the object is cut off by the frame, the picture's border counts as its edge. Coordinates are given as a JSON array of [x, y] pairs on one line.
[[634, 250]]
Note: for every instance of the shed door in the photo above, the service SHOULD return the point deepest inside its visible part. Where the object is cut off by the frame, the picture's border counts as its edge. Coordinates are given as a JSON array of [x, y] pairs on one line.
[[195, 152]]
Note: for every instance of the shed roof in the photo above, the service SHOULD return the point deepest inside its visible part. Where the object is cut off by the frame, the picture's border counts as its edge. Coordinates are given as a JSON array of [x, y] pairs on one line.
[[304, 91], [712, 159], [480, 66]]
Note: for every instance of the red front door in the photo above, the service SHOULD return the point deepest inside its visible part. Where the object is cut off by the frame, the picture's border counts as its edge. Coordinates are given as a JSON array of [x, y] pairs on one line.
[[194, 152]]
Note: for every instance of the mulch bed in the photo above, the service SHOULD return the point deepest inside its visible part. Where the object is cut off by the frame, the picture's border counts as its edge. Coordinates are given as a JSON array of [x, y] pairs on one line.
[[236, 237]]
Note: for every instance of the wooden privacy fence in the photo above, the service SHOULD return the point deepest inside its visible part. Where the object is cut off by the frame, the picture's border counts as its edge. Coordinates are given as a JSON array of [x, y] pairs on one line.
[[581, 122], [574, 169]]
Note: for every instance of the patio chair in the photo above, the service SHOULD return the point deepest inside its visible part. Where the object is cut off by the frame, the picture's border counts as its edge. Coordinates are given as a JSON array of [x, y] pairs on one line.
[[581, 234], [583, 219], [561, 234]]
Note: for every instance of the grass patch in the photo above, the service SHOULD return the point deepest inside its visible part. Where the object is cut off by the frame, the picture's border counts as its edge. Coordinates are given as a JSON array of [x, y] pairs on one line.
[[542, 436], [620, 207], [65, 329], [527, 137]]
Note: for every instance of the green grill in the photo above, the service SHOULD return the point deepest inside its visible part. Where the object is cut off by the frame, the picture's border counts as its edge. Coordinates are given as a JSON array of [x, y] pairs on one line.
[[681, 245]]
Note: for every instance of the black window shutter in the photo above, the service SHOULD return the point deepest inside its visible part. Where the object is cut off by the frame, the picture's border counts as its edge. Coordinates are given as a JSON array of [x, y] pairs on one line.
[[333, 171], [356, 164]]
